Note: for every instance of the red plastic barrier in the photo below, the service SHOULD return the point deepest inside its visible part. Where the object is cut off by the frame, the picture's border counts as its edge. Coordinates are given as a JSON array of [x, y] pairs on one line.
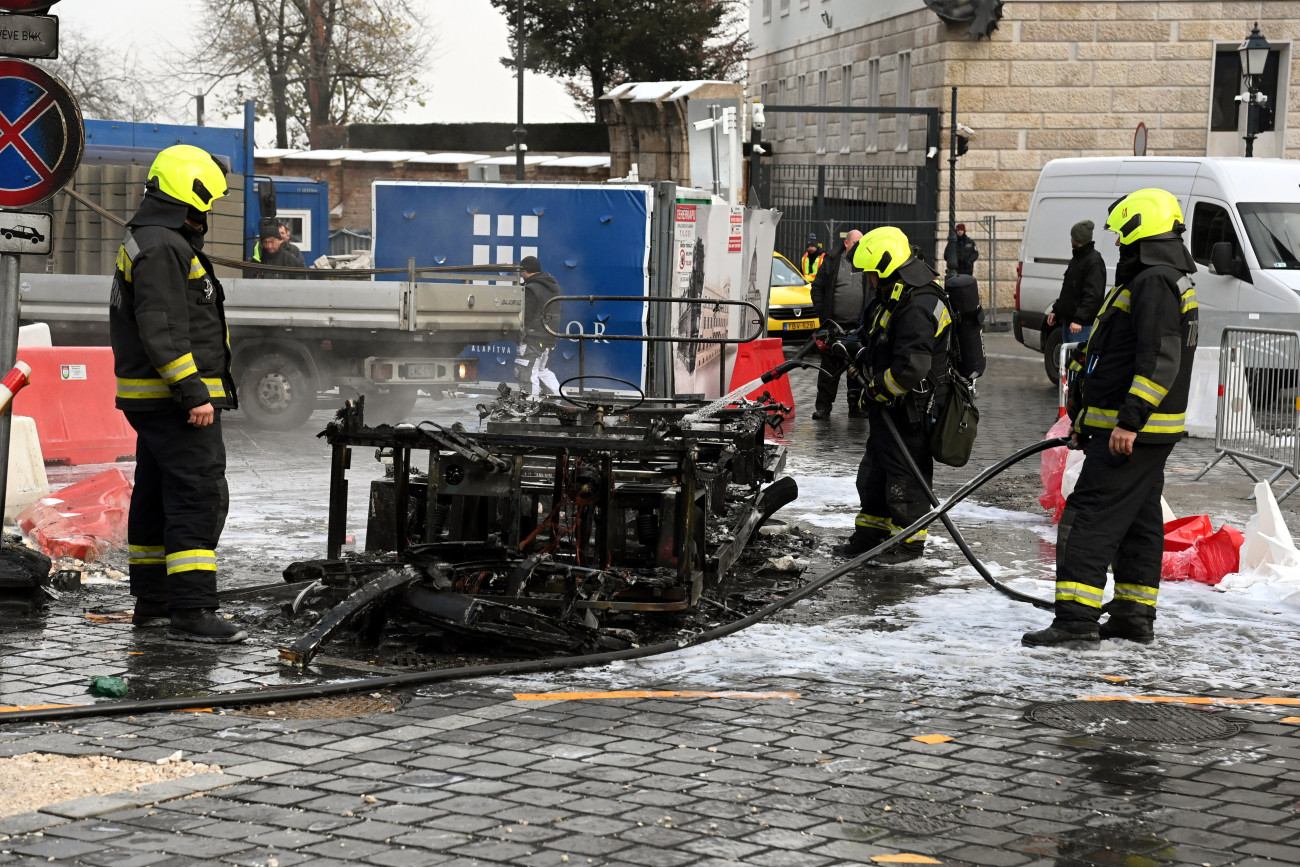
[[71, 400], [83, 520], [755, 358], [1205, 558], [1052, 469]]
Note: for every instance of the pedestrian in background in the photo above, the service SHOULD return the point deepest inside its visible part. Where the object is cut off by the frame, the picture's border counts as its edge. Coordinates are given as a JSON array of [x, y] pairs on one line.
[[274, 252], [839, 294], [1128, 408], [960, 253], [167, 327], [904, 358], [1082, 289], [812, 258], [532, 370]]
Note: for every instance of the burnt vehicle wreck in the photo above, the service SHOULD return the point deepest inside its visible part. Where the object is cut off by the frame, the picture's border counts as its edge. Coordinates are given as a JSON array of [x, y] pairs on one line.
[[559, 527]]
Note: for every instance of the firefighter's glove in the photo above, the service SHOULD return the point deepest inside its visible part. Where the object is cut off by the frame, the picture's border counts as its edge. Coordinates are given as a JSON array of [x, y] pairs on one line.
[[875, 394]]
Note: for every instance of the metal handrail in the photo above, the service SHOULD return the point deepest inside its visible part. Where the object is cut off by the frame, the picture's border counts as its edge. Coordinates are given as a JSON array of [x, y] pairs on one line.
[[759, 322]]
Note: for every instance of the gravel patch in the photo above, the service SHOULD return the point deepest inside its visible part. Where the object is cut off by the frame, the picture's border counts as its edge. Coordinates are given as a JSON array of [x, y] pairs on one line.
[[36, 780]]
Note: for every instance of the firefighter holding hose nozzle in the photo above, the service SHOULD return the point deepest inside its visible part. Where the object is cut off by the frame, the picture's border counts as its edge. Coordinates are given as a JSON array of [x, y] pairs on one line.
[[903, 360]]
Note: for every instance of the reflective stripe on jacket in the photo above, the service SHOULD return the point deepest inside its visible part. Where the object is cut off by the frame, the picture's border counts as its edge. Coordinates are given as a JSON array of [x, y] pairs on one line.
[[1137, 365], [167, 325]]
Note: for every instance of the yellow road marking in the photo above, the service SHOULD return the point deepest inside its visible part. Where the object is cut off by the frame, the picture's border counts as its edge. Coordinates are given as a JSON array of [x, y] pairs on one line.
[[1194, 699], [1290, 719], [932, 739], [647, 693], [19, 707], [1113, 678], [904, 858]]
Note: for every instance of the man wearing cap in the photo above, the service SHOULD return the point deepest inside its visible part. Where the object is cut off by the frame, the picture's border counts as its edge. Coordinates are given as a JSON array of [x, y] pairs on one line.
[[812, 258], [1083, 288], [274, 252], [839, 295], [960, 254], [534, 352]]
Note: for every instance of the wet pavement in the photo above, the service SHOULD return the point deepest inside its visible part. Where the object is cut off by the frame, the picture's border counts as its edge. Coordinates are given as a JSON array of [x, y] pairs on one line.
[[792, 742]]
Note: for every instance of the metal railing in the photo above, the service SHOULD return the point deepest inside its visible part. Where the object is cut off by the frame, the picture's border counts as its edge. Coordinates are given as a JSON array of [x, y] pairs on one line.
[[1259, 402]]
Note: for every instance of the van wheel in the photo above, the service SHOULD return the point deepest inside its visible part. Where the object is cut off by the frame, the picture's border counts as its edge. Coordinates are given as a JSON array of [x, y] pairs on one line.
[[276, 393], [1051, 353]]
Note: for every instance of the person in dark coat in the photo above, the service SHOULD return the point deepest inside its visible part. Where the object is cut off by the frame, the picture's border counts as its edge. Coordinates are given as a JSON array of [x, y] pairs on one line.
[[960, 253], [1083, 288], [839, 294], [273, 251], [532, 371]]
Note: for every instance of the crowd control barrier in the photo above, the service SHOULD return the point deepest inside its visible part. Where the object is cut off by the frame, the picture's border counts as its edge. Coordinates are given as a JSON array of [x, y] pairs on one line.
[[1259, 402], [755, 358], [71, 398]]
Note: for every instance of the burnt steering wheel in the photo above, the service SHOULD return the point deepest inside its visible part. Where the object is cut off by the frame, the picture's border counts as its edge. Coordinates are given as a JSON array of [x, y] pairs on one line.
[[607, 405]]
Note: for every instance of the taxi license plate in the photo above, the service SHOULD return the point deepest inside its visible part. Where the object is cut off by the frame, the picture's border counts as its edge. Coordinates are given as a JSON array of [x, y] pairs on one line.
[[800, 326]]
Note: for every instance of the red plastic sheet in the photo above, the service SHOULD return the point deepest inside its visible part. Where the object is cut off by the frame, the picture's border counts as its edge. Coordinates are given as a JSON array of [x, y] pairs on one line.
[[1053, 470], [84, 520], [1194, 553]]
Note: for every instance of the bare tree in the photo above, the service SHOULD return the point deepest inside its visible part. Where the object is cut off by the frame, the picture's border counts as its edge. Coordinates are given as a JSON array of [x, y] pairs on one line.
[[107, 85], [312, 63]]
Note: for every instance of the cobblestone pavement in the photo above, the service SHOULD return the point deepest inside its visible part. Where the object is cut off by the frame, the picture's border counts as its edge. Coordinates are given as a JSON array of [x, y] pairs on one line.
[[824, 768]]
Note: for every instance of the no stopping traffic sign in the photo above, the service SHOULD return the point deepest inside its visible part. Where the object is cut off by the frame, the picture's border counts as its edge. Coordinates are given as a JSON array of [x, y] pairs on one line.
[[41, 134]]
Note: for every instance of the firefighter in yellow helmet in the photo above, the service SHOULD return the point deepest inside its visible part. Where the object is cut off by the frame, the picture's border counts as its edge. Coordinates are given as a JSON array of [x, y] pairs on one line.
[[172, 360], [1128, 408], [904, 358]]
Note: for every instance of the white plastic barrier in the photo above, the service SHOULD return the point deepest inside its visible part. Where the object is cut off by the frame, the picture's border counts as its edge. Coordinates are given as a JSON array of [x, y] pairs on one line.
[[27, 482], [1203, 399], [36, 334]]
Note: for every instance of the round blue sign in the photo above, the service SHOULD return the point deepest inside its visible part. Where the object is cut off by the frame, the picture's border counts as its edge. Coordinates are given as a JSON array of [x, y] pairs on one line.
[[41, 134]]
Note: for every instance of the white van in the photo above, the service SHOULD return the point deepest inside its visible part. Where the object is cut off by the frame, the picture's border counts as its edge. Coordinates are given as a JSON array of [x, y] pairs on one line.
[[1225, 202]]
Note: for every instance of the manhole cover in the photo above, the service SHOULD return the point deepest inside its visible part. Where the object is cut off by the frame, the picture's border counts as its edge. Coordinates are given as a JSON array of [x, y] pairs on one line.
[[1135, 721], [332, 707]]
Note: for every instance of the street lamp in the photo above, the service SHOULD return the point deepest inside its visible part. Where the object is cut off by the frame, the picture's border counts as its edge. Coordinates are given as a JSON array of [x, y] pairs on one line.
[[1254, 55]]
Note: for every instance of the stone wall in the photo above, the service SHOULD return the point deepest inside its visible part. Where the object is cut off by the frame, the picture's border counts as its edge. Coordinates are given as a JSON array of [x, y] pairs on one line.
[[1059, 78]]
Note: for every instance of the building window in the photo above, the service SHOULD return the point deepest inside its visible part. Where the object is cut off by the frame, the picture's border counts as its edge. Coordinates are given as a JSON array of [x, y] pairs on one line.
[[822, 85], [777, 127], [873, 99], [846, 97], [1225, 110], [903, 99], [767, 10], [785, 7], [801, 99]]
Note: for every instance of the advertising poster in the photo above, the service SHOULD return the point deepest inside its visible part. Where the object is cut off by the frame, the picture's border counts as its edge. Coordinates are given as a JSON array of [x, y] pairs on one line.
[[710, 250]]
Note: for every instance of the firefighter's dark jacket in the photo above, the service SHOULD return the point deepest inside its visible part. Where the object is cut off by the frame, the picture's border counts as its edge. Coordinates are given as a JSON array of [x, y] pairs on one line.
[[907, 338], [1137, 367], [167, 320]]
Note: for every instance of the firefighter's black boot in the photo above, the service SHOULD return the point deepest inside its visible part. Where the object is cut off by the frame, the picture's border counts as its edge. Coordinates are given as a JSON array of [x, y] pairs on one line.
[[821, 413], [1081, 636], [150, 613], [203, 624], [860, 542], [903, 553], [1137, 629]]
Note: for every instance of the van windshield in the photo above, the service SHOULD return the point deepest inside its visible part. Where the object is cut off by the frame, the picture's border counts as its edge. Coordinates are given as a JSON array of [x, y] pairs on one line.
[[1274, 232]]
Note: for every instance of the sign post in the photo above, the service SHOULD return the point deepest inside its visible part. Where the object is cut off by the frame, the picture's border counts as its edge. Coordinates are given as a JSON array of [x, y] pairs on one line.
[[41, 140]]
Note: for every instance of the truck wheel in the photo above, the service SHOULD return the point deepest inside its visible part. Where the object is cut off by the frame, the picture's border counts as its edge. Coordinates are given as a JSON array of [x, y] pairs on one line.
[[276, 393], [391, 407], [1051, 351]]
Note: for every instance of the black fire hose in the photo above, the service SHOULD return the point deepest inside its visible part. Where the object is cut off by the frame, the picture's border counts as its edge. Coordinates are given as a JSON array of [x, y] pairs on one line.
[[952, 528], [532, 666]]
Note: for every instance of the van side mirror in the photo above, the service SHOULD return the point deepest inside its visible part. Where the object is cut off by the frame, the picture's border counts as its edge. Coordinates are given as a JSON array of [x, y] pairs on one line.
[[1221, 258]]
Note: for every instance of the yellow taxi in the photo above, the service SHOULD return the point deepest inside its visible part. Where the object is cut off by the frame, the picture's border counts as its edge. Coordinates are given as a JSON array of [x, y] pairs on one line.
[[790, 312]]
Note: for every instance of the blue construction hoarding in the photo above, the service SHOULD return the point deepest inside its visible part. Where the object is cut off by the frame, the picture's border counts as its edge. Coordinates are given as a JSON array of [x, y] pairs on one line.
[[594, 238]]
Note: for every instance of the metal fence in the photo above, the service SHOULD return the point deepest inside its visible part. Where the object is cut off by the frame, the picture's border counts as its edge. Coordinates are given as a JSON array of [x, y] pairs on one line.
[[931, 238], [1259, 402]]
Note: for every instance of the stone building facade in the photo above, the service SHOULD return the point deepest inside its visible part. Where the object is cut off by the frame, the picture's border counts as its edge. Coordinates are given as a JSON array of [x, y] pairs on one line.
[[1058, 78]]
